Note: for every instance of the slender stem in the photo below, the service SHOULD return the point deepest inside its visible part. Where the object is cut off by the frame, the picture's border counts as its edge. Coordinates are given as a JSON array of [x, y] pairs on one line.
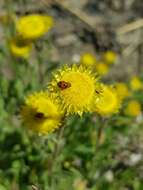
[[57, 147], [100, 130], [55, 154], [140, 58], [39, 62]]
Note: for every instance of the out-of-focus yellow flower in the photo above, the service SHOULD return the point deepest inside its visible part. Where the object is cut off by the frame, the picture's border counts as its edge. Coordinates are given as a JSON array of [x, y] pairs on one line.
[[41, 113], [110, 57], [133, 108], [108, 103], [67, 164], [102, 68], [122, 90], [80, 184], [19, 47], [136, 83], [88, 60], [75, 87], [34, 26]]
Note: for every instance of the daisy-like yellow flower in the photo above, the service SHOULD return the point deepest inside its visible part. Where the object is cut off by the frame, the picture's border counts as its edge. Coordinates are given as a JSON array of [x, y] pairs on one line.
[[41, 113], [136, 83], [76, 88], [34, 26], [133, 108], [19, 47], [110, 57], [122, 90], [88, 60], [102, 68], [108, 103]]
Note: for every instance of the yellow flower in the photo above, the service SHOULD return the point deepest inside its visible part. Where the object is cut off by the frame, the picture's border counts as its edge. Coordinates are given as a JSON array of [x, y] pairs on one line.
[[102, 68], [133, 108], [34, 26], [76, 88], [80, 184], [88, 60], [41, 113], [19, 47], [110, 57], [67, 164], [122, 90], [136, 83], [108, 102]]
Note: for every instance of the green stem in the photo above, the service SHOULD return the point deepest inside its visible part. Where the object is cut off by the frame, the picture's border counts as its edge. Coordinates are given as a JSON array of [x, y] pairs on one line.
[[55, 156], [103, 122], [39, 63]]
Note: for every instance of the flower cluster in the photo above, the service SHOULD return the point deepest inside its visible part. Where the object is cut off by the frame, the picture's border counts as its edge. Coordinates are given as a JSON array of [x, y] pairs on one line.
[[73, 90], [129, 93], [28, 29], [101, 64]]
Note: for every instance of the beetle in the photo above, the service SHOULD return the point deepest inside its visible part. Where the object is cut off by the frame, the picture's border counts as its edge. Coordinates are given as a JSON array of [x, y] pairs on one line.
[[63, 85]]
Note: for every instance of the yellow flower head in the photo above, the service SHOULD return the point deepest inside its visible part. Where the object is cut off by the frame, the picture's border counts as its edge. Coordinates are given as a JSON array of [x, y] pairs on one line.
[[19, 47], [122, 90], [80, 184], [88, 60], [133, 108], [76, 88], [136, 83], [108, 103], [34, 26], [102, 68], [110, 57], [40, 113]]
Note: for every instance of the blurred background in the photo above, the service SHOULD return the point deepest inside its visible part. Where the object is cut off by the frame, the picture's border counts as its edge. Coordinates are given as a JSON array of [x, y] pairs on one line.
[[107, 34]]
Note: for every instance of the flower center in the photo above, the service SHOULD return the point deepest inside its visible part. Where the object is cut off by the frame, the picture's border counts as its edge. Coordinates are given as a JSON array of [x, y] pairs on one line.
[[79, 88]]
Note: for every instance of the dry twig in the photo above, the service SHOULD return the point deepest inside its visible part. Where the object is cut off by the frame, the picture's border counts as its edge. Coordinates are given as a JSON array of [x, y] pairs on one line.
[[130, 27]]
